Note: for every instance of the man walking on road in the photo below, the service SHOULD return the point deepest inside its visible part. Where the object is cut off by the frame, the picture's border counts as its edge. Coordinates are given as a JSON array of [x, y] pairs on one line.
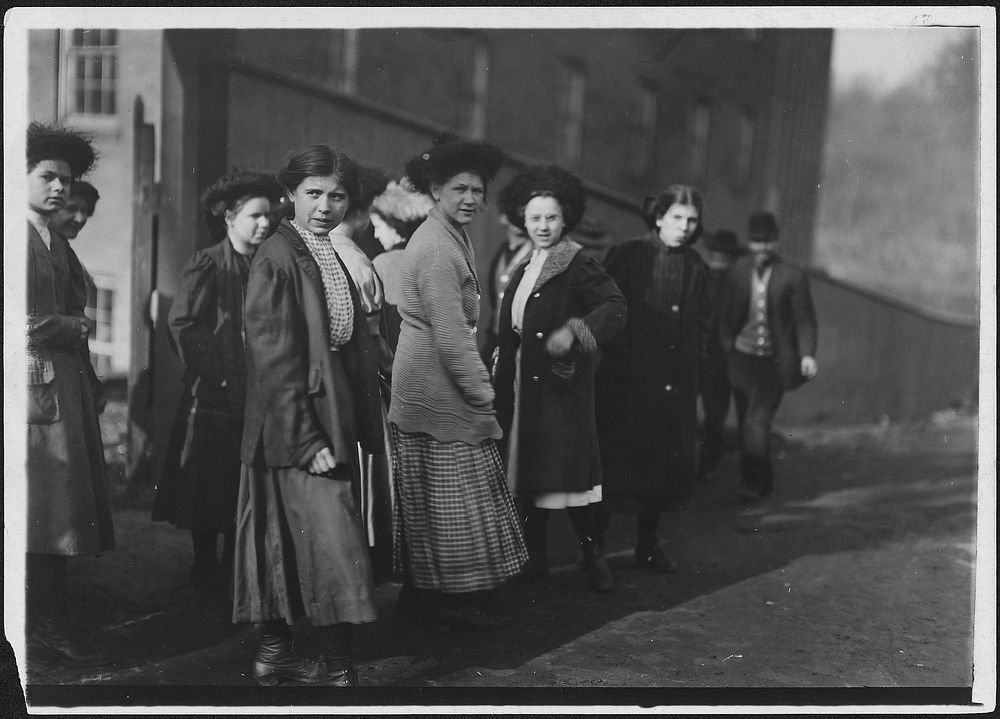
[[767, 326]]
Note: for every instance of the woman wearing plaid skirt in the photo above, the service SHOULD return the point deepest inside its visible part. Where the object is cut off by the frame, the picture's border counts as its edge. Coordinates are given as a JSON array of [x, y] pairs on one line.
[[457, 531]]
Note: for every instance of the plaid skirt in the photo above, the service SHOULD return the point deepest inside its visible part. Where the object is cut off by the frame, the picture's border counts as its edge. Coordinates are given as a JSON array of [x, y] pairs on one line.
[[456, 528]]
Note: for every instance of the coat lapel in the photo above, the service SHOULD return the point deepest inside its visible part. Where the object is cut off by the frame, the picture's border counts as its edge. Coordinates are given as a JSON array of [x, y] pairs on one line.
[[558, 260], [460, 238]]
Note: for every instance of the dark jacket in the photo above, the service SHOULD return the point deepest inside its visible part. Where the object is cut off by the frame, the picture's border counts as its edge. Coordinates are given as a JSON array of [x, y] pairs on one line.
[[557, 433], [790, 315], [648, 383], [68, 512], [206, 327], [291, 412]]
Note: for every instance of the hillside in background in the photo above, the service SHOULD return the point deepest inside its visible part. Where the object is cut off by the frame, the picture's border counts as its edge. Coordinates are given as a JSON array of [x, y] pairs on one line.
[[899, 200]]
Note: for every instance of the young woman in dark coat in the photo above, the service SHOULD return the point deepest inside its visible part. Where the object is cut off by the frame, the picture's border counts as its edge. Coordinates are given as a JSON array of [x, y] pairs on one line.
[[68, 513], [201, 473], [312, 395], [556, 312], [648, 384]]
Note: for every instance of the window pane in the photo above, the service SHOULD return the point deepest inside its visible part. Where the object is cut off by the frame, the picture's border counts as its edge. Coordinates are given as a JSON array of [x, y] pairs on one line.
[[110, 37]]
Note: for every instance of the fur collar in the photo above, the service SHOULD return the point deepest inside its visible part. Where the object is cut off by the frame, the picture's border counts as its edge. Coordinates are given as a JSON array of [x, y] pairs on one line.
[[558, 260]]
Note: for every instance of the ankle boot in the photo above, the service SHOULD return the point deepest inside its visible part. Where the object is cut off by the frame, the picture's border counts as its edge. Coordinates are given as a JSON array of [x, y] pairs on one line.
[[51, 639], [601, 578], [340, 672], [650, 556], [278, 660]]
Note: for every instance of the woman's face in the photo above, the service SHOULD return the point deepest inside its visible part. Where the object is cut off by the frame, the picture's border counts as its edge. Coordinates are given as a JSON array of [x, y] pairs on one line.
[[320, 203], [461, 198], [678, 224], [543, 221], [249, 225], [48, 186]]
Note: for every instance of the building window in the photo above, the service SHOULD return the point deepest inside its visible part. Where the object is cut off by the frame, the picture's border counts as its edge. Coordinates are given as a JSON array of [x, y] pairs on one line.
[[574, 91], [103, 337], [700, 121], [644, 130], [475, 88], [744, 154], [91, 76], [344, 50], [104, 315]]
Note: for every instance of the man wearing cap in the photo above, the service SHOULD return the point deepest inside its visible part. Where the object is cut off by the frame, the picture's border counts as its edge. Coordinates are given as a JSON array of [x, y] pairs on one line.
[[767, 326], [720, 249]]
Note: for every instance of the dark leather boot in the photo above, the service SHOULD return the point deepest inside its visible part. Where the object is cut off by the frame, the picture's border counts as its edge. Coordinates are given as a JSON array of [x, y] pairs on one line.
[[279, 661], [340, 672], [650, 556], [601, 578], [52, 640]]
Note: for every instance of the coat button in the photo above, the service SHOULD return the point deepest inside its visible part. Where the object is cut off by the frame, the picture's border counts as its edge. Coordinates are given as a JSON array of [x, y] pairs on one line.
[[539, 335], [675, 308], [668, 388], [537, 294], [535, 378], [505, 278]]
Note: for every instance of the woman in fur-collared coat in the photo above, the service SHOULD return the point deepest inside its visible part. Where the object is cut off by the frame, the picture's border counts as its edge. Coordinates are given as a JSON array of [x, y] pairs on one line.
[[556, 311]]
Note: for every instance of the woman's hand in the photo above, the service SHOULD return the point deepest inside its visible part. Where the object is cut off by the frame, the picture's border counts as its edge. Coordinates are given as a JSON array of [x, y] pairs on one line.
[[322, 463], [84, 331], [560, 342]]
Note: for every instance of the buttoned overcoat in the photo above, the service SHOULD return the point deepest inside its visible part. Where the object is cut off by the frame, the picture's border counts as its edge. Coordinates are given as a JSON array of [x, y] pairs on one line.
[[557, 432], [648, 383]]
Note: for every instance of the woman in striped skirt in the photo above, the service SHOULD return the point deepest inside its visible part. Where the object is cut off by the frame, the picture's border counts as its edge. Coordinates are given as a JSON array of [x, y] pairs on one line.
[[457, 531]]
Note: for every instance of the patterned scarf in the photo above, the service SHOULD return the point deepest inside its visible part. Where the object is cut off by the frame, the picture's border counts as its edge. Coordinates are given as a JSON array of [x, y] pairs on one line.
[[335, 286]]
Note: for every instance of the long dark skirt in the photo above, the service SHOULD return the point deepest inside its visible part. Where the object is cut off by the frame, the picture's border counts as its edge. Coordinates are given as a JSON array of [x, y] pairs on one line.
[[300, 549], [201, 474], [456, 526]]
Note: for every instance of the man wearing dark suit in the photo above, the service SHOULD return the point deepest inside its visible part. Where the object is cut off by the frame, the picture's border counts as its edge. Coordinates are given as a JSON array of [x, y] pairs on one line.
[[767, 326]]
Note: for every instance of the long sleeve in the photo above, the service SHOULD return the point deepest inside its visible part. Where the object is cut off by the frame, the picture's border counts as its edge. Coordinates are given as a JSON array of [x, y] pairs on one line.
[[277, 345], [606, 305], [440, 286], [703, 297], [192, 320], [805, 316]]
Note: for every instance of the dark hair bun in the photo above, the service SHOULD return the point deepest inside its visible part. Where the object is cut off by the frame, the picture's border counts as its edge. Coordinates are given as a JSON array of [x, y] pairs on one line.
[[449, 157], [547, 180]]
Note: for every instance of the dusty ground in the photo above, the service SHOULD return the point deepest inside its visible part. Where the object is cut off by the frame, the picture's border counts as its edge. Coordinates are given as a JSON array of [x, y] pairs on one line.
[[858, 574]]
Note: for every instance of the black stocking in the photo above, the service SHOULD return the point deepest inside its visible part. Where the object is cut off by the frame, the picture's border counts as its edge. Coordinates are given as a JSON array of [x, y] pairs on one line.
[[584, 522]]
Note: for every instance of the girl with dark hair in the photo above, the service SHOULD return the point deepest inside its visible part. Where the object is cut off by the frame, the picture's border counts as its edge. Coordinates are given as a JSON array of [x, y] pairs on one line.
[[456, 528], [201, 473], [68, 512], [312, 395], [648, 383], [557, 310]]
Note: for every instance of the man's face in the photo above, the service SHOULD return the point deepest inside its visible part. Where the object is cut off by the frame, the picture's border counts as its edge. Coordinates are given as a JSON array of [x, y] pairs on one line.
[[763, 246], [71, 217]]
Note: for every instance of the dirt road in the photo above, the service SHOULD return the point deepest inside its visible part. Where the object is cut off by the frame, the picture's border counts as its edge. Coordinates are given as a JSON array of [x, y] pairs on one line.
[[858, 574]]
